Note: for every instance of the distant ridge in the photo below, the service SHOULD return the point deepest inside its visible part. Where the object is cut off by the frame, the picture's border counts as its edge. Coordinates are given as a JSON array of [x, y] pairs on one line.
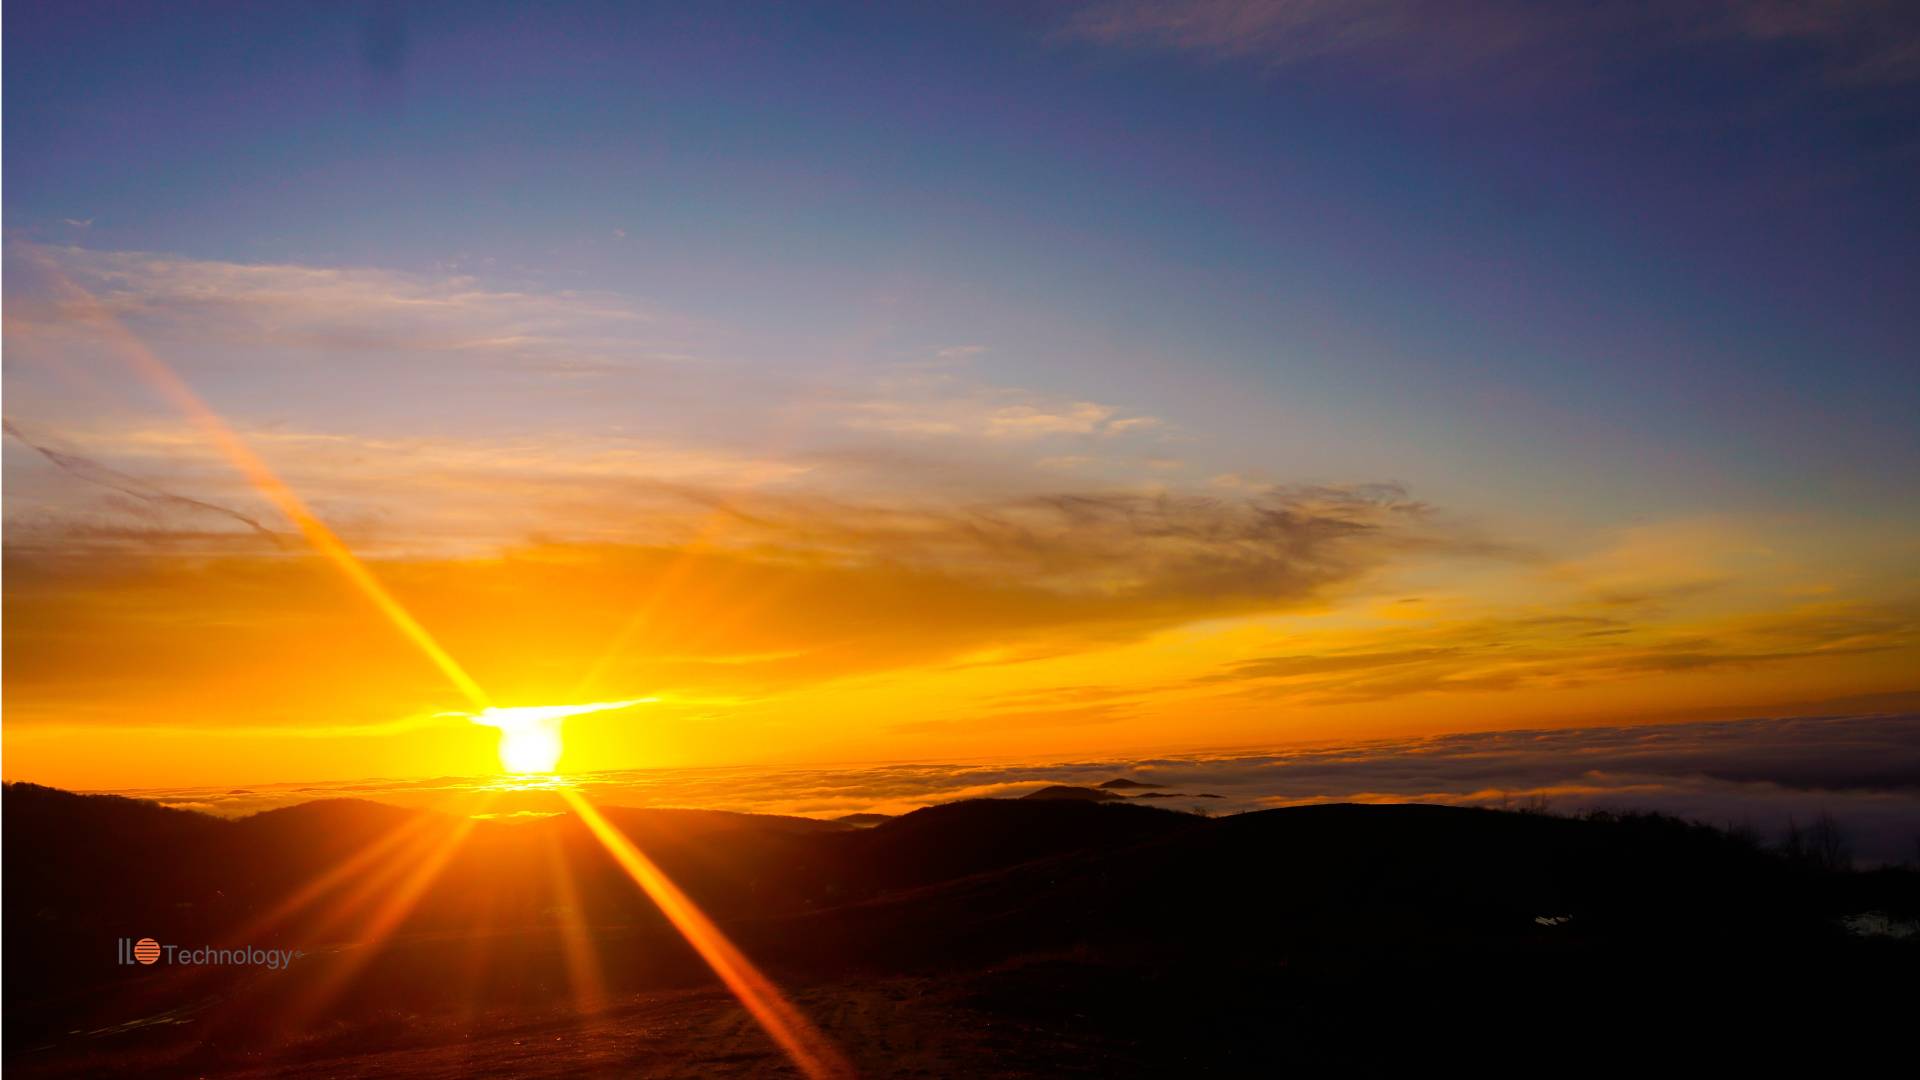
[[1122, 782], [1068, 791]]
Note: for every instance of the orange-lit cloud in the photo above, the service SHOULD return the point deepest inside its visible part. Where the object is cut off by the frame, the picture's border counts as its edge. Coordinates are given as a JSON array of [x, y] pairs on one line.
[[1863, 769], [903, 563]]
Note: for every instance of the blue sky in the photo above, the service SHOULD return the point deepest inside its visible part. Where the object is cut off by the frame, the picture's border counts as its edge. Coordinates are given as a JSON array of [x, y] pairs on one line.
[[1690, 249]]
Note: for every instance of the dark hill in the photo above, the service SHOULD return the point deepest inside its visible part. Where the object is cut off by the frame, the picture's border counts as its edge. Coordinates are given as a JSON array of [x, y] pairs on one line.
[[1021, 937], [941, 843], [1068, 791], [322, 827], [1122, 782], [652, 821]]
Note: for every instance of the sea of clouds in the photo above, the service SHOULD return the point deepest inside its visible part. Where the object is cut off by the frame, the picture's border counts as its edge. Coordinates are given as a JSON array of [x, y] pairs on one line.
[[1764, 775]]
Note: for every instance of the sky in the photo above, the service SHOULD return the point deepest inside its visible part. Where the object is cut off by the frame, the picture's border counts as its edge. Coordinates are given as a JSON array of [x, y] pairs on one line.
[[935, 382]]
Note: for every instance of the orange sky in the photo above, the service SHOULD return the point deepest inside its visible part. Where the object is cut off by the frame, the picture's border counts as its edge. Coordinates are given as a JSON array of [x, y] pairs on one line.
[[789, 629], [955, 384], [992, 572]]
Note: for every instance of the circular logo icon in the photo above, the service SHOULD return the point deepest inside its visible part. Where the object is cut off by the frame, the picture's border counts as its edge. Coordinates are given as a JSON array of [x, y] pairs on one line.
[[146, 950]]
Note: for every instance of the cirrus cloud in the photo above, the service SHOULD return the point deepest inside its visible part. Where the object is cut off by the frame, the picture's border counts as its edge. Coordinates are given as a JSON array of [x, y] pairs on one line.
[[1856, 41]]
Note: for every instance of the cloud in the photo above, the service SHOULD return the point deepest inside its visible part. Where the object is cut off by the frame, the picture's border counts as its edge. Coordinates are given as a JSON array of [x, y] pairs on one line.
[[338, 311], [1021, 720], [403, 493], [1763, 773], [1026, 422], [373, 373], [903, 524], [1863, 41], [1280, 667], [1855, 41], [1043, 708], [1115, 546], [1563, 651], [1281, 31], [805, 589], [936, 404], [95, 473], [832, 558]]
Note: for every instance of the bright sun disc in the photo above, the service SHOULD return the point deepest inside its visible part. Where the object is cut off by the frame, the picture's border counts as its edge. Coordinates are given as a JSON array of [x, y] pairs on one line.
[[530, 734], [530, 747]]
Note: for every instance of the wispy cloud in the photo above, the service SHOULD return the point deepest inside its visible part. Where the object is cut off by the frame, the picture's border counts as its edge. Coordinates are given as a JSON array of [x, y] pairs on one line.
[[812, 589], [1860, 41], [341, 311], [940, 405], [879, 528], [616, 385], [113, 480], [1565, 652]]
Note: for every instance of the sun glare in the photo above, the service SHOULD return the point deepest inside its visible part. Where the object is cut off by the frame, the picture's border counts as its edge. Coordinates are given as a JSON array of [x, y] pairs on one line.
[[530, 739], [530, 748]]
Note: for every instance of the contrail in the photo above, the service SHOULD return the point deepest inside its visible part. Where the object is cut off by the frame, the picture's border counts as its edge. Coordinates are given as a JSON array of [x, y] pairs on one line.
[[95, 473]]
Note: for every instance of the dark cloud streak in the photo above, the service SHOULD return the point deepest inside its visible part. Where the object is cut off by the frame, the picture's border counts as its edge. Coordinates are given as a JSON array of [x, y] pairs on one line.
[[93, 472]]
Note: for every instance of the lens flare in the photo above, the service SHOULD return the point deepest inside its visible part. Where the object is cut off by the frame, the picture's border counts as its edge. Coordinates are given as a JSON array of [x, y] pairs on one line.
[[808, 1048], [529, 742]]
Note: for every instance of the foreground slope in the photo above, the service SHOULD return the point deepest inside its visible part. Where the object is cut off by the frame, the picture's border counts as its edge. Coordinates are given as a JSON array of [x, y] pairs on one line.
[[1009, 937]]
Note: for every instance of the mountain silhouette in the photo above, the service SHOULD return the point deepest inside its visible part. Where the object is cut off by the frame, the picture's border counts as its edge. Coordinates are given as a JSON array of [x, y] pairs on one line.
[[986, 937], [1069, 791]]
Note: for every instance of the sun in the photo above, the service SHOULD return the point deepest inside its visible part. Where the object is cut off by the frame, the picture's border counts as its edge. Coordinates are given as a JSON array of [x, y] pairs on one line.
[[530, 747], [530, 740]]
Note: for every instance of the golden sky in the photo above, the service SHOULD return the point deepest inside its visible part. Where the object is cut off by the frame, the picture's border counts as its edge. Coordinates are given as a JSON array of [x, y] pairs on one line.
[[1007, 384], [944, 589]]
